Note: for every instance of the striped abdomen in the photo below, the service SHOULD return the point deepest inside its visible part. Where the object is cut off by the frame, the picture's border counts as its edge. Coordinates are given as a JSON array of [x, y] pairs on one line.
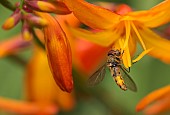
[[115, 71]]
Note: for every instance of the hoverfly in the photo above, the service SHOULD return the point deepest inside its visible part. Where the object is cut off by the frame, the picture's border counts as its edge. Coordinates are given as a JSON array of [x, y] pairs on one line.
[[118, 72]]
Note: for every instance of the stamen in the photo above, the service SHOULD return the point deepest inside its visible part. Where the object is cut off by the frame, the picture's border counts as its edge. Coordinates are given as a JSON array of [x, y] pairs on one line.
[[127, 27], [121, 44], [126, 55], [138, 35], [141, 55]]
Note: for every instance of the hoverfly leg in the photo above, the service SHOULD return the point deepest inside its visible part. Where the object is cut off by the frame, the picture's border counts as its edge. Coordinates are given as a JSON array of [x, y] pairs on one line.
[[134, 62], [109, 64], [127, 70], [123, 52]]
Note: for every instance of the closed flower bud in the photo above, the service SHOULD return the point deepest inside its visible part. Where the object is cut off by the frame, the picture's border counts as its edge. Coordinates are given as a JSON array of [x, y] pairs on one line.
[[12, 20], [26, 33], [59, 53], [41, 6], [35, 20]]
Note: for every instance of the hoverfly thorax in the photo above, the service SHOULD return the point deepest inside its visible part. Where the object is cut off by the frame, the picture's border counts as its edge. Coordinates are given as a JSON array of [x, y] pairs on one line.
[[114, 58]]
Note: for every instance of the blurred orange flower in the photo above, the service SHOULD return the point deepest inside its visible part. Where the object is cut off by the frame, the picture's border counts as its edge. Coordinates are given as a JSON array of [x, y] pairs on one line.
[[156, 102], [88, 56], [13, 45], [123, 28], [41, 87], [26, 108], [43, 97]]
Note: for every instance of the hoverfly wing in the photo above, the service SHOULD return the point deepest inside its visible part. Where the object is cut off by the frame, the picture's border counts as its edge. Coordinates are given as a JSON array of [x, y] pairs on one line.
[[128, 80], [98, 76]]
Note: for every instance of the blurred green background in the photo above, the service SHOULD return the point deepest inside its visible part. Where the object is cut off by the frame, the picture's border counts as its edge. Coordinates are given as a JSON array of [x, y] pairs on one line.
[[149, 74]]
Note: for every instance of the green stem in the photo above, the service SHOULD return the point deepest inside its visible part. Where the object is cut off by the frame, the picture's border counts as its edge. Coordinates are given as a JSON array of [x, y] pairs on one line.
[[8, 5], [37, 40], [21, 4]]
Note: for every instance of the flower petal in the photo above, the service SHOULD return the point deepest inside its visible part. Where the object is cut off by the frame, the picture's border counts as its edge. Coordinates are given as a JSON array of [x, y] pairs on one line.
[[71, 20], [158, 107], [132, 46], [60, 8], [161, 46], [59, 53], [91, 15], [154, 17], [103, 38], [155, 95]]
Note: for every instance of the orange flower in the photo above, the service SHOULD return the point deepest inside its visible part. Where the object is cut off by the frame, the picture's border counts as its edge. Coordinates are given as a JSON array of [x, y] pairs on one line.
[[58, 52], [123, 28], [158, 101]]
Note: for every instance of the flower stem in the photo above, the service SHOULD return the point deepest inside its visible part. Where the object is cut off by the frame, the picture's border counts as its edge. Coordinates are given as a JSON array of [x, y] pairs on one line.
[[37, 40], [8, 5]]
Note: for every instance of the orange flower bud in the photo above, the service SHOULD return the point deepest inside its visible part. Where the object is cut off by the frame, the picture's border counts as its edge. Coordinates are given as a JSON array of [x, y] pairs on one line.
[[12, 20], [49, 6], [26, 33], [41, 6], [35, 20], [58, 52]]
